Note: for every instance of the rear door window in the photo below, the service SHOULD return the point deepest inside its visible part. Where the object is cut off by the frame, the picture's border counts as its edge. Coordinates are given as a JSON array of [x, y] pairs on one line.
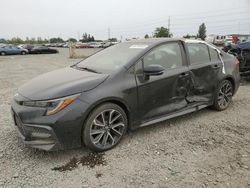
[[198, 53]]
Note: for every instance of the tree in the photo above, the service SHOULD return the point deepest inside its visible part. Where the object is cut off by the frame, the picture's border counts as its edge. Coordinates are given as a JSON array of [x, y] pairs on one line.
[[87, 38], [3, 41], [39, 40], [113, 40], [72, 40], [189, 36], [162, 32], [16, 40], [202, 31], [56, 40], [32, 40], [146, 36]]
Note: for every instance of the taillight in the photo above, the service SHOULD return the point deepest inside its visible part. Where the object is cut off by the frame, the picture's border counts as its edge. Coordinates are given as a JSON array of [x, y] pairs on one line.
[[237, 62]]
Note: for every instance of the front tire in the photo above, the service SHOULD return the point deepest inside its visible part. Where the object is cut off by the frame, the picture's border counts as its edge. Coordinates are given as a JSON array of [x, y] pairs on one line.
[[223, 96], [23, 53], [105, 127], [3, 53]]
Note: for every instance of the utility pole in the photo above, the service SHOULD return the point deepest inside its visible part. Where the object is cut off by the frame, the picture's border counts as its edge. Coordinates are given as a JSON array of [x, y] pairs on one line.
[[78, 35], [169, 26], [108, 33], [239, 28]]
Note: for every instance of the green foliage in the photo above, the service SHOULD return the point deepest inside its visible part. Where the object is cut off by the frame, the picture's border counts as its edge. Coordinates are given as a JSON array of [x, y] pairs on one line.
[[56, 40], [38, 40], [146, 36], [3, 41], [72, 40], [15, 40], [113, 40], [87, 38], [162, 32], [202, 31], [189, 36]]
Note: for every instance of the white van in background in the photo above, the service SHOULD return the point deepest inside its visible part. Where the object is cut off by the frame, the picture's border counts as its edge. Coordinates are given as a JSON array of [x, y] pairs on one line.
[[216, 39]]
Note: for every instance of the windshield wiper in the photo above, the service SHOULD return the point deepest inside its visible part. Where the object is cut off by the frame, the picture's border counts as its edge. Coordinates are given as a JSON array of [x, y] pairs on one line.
[[87, 69]]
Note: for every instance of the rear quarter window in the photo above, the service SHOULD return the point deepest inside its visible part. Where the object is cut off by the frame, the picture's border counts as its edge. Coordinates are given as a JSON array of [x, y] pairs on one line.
[[214, 54]]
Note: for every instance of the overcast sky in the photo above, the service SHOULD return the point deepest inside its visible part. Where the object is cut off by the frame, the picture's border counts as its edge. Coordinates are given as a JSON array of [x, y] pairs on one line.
[[126, 18]]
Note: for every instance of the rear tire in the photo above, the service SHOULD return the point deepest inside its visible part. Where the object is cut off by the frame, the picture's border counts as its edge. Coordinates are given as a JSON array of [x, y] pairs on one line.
[[105, 127], [223, 96], [3, 53], [23, 53]]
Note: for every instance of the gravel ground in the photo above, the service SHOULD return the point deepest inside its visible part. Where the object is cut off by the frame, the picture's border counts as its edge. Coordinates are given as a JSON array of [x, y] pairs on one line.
[[202, 149]]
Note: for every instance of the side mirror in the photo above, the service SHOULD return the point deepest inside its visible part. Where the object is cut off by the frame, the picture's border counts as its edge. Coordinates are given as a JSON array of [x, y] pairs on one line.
[[153, 70]]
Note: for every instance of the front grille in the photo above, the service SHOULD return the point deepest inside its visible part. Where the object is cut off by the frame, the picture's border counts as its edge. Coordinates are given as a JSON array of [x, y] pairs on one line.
[[19, 124]]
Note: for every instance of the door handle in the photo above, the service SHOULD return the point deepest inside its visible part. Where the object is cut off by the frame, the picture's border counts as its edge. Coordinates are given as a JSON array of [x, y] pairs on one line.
[[184, 74], [216, 66]]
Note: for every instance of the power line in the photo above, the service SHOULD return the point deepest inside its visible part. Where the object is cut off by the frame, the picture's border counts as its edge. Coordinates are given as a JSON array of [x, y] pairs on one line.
[[185, 17]]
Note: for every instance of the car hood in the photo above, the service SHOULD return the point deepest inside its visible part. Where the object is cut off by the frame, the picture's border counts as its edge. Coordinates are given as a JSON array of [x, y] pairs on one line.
[[60, 83]]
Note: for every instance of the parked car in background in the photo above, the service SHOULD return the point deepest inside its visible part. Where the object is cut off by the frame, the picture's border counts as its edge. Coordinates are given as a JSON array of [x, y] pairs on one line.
[[83, 45], [126, 86], [29, 47], [107, 44], [216, 39], [95, 44], [12, 50], [66, 45], [228, 40], [43, 50], [242, 52]]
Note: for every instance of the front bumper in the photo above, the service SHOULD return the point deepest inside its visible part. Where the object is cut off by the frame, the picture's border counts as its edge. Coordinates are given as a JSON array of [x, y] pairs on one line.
[[56, 132], [36, 136]]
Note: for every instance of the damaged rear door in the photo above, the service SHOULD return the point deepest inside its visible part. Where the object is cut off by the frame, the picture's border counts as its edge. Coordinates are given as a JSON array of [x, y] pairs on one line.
[[204, 65]]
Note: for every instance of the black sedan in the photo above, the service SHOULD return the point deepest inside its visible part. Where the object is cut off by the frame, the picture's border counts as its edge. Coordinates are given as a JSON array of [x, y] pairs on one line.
[[126, 86], [43, 50]]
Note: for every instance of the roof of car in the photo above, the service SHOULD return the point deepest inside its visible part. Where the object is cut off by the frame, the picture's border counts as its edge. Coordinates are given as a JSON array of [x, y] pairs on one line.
[[154, 41]]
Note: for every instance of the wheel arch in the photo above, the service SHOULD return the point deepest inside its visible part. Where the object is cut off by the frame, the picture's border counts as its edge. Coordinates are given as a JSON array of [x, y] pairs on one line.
[[232, 80], [120, 102]]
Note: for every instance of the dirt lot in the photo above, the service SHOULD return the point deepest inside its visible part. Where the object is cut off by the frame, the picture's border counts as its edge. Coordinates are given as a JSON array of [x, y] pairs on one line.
[[203, 149]]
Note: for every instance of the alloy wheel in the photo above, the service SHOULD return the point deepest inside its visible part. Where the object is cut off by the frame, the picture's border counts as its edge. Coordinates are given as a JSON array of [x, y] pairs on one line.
[[107, 128], [225, 95]]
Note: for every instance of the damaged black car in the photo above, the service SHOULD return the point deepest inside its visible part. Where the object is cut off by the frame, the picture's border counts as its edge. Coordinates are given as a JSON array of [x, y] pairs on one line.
[[242, 52], [129, 85]]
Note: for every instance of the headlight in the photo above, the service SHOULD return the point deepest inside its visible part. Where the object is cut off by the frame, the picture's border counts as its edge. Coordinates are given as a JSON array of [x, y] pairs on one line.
[[52, 106]]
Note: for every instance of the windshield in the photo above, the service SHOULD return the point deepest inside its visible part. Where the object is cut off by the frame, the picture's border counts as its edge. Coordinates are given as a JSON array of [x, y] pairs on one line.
[[112, 58]]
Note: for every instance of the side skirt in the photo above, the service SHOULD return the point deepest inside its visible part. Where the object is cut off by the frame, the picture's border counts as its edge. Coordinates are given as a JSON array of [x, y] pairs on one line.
[[175, 114]]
